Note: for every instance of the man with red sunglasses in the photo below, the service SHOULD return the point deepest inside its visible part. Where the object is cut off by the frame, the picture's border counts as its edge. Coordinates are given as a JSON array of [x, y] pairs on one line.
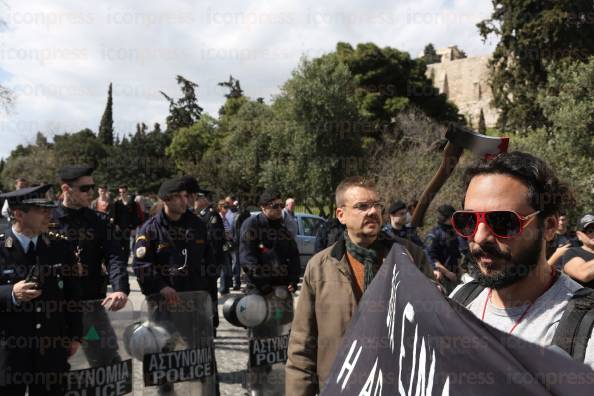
[[511, 209]]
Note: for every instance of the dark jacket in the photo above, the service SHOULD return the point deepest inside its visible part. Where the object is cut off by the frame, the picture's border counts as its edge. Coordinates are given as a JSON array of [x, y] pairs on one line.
[[52, 316], [159, 259], [216, 233], [94, 237], [443, 244], [126, 215], [405, 232], [329, 233], [268, 254]]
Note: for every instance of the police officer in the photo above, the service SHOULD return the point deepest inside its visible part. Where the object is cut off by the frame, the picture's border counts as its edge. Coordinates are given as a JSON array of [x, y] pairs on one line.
[[172, 255], [267, 252], [443, 246], [99, 258], [199, 205], [397, 225], [40, 325]]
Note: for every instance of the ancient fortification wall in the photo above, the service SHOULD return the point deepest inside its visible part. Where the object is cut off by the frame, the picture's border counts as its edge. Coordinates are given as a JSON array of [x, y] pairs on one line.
[[465, 82]]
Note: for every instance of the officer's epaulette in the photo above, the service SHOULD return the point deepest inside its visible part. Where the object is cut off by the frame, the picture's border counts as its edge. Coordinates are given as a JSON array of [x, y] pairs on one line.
[[57, 236]]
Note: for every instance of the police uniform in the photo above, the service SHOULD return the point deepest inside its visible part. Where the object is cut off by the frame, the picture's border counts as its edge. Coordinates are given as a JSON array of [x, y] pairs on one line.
[[268, 254], [99, 259], [174, 254], [35, 334]]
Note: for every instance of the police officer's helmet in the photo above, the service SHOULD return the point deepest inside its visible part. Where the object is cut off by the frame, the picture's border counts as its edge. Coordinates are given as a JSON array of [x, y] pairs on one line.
[[142, 338]]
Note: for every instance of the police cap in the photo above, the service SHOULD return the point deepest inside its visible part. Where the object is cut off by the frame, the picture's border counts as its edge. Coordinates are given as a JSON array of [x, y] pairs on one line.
[[73, 172], [171, 186], [268, 196], [29, 196], [192, 186], [396, 206]]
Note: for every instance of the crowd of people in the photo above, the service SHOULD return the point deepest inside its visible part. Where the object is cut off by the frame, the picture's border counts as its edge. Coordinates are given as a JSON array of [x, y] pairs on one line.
[[508, 255]]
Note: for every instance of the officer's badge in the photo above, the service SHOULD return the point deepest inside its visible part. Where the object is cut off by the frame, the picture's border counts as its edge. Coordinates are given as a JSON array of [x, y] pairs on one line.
[[213, 220], [140, 251], [8, 242], [141, 238]]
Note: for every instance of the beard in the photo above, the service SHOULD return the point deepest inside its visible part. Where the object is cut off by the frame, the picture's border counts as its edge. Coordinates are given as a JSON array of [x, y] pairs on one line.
[[514, 269]]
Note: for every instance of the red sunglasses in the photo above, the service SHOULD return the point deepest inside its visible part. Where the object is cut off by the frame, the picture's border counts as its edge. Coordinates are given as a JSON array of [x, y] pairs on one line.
[[502, 223]]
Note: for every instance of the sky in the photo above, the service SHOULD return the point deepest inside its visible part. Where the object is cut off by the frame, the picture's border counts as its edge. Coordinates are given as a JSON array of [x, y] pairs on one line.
[[59, 57]]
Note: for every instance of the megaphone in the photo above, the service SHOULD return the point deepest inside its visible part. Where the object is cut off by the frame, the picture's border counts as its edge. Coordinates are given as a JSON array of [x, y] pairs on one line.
[[143, 338], [253, 309]]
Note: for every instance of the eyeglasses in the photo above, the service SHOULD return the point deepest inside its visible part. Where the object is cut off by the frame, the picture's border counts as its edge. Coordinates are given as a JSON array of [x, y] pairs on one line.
[[366, 206], [278, 205], [502, 223], [85, 187]]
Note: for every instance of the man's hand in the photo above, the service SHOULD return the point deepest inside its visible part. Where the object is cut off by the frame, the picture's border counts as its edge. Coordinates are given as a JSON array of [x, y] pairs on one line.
[[73, 347], [115, 301], [25, 291], [170, 295], [291, 288]]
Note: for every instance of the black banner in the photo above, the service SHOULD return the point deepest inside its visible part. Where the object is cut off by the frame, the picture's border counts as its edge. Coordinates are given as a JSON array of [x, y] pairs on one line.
[[268, 351], [112, 380], [178, 366], [408, 339]]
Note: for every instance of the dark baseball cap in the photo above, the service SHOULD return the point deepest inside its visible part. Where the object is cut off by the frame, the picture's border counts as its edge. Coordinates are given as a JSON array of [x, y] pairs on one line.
[[396, 206], [192, 186], [268, 196]]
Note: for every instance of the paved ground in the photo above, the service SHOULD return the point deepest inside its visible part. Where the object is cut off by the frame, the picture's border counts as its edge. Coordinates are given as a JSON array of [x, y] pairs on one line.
[[231, 347]]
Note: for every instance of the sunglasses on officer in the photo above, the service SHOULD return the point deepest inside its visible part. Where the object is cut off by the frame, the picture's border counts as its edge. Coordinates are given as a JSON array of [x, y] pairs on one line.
[[503, 224], [84, 187], [276, 205]]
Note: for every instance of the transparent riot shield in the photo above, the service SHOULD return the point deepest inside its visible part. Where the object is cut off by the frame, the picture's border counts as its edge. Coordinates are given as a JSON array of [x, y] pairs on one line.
[[101, 366], [268, 344], [175, 346]]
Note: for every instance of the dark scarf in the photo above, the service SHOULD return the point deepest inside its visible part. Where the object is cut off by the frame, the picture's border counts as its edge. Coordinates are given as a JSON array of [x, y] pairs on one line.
[[370, 257]]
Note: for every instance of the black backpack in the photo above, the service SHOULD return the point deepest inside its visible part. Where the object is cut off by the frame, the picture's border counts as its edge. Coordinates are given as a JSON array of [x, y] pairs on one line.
[[575, 326]]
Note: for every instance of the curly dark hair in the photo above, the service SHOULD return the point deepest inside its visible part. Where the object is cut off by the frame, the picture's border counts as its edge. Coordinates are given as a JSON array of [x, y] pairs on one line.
[[545, 191]]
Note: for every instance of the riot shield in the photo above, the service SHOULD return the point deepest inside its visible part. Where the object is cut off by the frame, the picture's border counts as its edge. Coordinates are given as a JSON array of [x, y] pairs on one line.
[[268, 344], [101, 366], [175, 345]]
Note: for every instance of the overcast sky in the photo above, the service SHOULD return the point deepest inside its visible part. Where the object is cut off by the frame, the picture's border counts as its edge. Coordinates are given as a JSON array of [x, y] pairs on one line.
[[59, 56]]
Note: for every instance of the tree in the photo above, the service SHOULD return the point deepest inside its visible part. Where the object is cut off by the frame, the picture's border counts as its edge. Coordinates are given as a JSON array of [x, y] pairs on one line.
[[316, 136], [105, 133], [82, 147], [532, 34], [190, 144], [185, 111], [430, 55], [235, 90], [387, 82], [482, 126]]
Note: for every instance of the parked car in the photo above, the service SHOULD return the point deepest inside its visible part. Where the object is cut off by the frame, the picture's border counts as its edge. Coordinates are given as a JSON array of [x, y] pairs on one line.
[[306, 239]]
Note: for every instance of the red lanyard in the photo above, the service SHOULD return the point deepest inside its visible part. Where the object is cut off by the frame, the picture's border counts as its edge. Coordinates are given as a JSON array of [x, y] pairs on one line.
[[527, 308]]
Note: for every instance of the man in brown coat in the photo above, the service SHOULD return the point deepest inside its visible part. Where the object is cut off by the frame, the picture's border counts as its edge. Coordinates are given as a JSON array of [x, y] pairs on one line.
[[334, 281]]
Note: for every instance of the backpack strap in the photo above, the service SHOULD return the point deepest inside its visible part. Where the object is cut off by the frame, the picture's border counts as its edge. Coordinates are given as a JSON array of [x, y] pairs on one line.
[[575, 326], [467, 293]]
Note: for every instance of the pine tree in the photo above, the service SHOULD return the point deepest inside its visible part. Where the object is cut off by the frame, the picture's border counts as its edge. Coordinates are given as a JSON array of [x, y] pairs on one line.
[[106, 126], [185, 111], [482, 126]]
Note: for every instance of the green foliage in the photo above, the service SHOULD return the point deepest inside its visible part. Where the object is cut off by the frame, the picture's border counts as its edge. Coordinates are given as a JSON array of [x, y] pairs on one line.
[[318, 141], [37, 166], [190, 144], [137, 161], [533, 33], [185, 111], [430, 55], [105, 133], [388, 81], [82, 147], [482, 126]]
